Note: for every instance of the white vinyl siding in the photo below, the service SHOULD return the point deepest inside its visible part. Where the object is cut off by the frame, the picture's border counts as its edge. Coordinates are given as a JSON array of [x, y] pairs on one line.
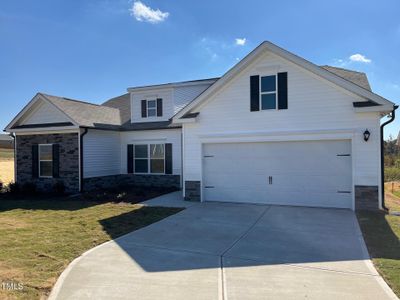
[[44, 113], [315, 105], [101, 153], [167, 103], [148, 137]]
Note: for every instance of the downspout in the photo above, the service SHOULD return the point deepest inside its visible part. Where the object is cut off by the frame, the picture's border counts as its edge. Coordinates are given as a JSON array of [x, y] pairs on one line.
[[15, 154], [81, 157], [392, 117]]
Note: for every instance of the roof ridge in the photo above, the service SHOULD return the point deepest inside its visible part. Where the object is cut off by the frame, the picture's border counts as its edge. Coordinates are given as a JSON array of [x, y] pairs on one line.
[[72, 100], [175, 82]]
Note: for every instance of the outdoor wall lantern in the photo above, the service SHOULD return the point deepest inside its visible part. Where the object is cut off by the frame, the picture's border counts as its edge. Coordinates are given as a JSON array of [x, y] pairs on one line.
[[366, 135]]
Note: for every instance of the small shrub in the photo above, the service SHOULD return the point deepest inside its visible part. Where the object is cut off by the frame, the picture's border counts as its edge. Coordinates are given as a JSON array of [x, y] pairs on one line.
[[59, 187], [13, 188], [28, 188], [1, 186], [392, 174]]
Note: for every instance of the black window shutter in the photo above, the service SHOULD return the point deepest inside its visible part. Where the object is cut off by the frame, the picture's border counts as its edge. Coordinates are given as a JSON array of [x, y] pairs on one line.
[[159, 107], [35, 161], [144, 109], [130, 159], [254, 93], [168, 158], [282, 91], [56, 160]]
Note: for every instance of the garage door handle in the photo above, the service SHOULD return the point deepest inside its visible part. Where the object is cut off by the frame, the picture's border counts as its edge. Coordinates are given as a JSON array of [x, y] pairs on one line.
[[270, 179], [344, 192], [209, 187]]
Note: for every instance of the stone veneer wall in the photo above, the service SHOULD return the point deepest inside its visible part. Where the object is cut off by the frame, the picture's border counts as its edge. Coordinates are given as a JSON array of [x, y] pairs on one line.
[[113, 181], [69, 160], [192, 191], [366, 197]]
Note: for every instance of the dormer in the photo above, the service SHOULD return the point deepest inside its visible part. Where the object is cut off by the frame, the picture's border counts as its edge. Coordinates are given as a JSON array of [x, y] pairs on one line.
[[159, 103]]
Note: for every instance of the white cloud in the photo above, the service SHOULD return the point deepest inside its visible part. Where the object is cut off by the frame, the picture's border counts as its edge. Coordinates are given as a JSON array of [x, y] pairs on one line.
[[359, 58], [240, 42], [144, 13]]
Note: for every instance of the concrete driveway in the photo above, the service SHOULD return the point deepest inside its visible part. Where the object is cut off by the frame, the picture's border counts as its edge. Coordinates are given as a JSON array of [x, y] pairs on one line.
[[231, 251]]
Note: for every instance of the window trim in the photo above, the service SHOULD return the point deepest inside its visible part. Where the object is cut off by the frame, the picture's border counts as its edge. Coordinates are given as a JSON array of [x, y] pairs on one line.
[[148, 158], [152, 108], [40, 160], [268, 93]]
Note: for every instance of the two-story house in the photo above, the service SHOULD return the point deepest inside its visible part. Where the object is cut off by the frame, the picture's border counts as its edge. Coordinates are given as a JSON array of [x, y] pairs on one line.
[[274, 129]]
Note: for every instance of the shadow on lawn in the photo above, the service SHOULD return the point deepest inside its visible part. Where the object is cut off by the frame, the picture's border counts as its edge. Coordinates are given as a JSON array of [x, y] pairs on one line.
[[127, 194], [135, 219], [56, 203], [381, 241]]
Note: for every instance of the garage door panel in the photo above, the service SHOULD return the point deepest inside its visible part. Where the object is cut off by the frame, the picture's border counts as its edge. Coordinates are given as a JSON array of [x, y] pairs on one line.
[[315, 173]]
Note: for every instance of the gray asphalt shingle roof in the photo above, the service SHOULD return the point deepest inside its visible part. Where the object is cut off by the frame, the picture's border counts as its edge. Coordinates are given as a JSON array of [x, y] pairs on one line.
[[87, 114], [355, 77], [115, 113]]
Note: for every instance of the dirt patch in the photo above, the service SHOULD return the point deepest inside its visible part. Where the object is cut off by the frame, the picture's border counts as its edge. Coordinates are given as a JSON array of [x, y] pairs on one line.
[[6, 171], [11, 223]]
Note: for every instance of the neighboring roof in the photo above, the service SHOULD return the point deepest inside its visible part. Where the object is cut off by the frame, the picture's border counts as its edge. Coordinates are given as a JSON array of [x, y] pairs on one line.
[[5, 137], [86, 114], [332, 76], [355, 77]]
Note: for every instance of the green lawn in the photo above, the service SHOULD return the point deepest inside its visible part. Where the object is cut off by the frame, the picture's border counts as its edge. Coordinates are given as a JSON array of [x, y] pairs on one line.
[[381, 232], [40, 238]]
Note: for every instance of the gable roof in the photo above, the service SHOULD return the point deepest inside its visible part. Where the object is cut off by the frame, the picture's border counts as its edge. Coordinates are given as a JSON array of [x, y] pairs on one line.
[[86, 114], [80, 113], [330, 75]]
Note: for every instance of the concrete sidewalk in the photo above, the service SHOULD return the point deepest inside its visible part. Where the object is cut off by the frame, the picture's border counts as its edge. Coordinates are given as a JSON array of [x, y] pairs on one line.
[[230, 251]]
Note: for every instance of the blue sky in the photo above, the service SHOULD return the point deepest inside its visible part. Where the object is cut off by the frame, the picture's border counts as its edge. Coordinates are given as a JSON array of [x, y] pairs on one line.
[[94, 49]]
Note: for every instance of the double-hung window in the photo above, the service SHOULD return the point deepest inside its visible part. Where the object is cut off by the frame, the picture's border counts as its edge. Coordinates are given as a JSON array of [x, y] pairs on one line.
[[268, 92], [45, 160], [151, 108], [149, 158]]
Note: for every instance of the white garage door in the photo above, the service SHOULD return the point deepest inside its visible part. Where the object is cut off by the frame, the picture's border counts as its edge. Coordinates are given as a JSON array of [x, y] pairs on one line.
[[310, 173]]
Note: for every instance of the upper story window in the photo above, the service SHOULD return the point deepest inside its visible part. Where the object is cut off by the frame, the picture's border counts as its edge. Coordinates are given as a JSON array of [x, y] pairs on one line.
[[268, 92], [152, 108], [46, 160]]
